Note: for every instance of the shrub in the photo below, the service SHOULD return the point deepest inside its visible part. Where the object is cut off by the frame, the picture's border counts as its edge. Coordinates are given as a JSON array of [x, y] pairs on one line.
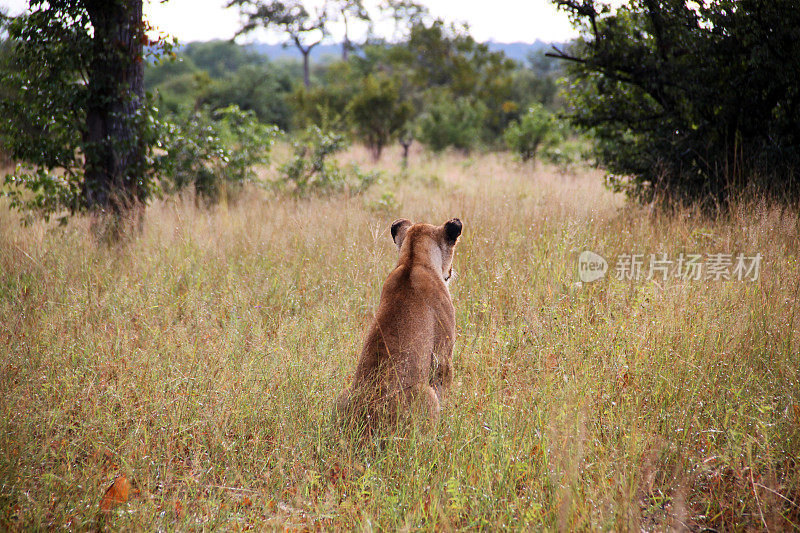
[[537, 129], [378, 113], [214, 152], [325, 106], [310, 170], [452, 122], [255, 88]]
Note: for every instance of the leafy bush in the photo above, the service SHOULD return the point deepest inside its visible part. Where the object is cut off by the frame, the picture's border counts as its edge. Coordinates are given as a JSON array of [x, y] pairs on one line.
[[256, 88], [570, 151], [311, 171], [214, 152], [378, 113], [40, 192], [325, 105], [537, 129], [690, 100], [455, 122]]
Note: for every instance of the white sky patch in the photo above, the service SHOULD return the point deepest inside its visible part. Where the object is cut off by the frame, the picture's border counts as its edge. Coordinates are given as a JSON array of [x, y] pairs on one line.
[[498, 20]]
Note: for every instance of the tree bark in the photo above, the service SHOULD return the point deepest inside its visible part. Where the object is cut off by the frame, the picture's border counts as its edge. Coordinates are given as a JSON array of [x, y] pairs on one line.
[[346, 41], [115, 150], [306, 77], [406, 144]]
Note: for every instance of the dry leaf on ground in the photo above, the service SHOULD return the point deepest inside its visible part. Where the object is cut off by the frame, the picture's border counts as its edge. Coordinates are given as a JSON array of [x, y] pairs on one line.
[[117, 493]]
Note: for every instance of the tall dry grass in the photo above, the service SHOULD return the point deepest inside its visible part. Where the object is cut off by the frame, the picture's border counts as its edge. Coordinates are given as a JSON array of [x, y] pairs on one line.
[[201, 358]]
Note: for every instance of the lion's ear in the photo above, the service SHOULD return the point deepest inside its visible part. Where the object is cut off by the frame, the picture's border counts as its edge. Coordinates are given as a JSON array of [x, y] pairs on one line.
[[452, 229], [399, 228]]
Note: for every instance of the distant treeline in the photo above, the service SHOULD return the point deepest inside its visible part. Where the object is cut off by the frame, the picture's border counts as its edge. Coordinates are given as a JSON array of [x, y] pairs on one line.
[[440, 76], [518, 51]]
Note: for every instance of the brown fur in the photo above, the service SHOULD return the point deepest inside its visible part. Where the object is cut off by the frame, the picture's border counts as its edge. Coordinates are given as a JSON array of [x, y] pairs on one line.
[[406, 361]]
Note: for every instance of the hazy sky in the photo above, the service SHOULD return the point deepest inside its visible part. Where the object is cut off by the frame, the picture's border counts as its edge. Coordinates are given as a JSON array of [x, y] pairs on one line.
[[498, 20]]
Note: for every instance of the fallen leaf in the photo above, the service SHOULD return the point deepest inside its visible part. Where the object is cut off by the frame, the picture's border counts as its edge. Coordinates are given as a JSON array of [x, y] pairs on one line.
[[117, 493], [178, 508]]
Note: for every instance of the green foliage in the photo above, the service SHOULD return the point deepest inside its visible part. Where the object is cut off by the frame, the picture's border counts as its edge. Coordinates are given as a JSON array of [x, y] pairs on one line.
[[168, 68], [221, 58], [311, 170], [567, 153], [219, 74], [537, 129], [452, 122], [82, 136], [537, 82], [696, 101], [431, 58], [38, 192], [447, 57], [253, 88], [43, 104], [437, 59], [182, 92], [325, 105], [386, 203], [378, 113], [214, 151]]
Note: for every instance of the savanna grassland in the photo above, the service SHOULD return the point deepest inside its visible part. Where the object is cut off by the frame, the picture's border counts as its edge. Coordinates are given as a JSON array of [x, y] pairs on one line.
[[200, 360]]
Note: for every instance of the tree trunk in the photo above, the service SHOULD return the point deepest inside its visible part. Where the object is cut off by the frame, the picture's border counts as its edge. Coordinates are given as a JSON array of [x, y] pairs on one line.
[[115, 150], [306, 78], [376, 151], [406, 144], [346, 41]]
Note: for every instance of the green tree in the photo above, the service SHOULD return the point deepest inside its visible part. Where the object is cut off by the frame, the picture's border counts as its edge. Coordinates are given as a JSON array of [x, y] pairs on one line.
[[536, 82], [695, 100], [325, 104], [438, 57], [448, 57], [305, 30], [536, 129], [260, 89], [74, 107], [378, 113], [163, 71], [221, 58], [450, 121], [177, 94]]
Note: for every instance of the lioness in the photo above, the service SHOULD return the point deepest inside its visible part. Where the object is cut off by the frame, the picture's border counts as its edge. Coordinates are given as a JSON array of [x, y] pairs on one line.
[[406, 361]]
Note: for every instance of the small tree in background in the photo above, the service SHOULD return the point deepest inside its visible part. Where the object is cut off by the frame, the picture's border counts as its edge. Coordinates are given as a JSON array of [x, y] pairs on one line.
[[303, 29], [378, 114], [537, 129], [311, 170], [452, 122]]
